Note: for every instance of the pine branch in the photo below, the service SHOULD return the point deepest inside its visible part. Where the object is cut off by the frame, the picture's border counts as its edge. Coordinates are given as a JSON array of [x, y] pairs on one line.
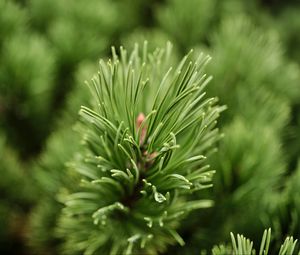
[[240, 245], [144, 146]]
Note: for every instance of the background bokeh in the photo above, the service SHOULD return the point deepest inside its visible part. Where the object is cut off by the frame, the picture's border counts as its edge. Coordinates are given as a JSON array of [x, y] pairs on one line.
[[48, 48]]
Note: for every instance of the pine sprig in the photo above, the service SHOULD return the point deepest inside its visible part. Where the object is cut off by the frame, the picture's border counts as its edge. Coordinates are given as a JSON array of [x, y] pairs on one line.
[[240, 245], [145, 141]]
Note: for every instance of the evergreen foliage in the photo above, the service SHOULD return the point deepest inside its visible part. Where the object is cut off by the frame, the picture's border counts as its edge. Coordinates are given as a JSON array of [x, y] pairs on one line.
[[144, 144], [52, 179], [50, 170], [186, 23], [17, 194], [240, 245]]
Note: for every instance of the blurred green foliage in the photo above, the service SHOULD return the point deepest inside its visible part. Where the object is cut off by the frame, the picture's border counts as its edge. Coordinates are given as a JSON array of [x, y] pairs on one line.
[[49, 48]]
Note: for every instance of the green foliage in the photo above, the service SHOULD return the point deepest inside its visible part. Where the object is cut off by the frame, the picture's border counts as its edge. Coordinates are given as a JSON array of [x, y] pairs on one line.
[[13, 176], [73, 23], [253, 69], [250, 160], [240, 245], [25, 83], [187, 22], [155, 38], [289, 25], [47, 50], [287, 211], [247, 167], [51, 172], [249, 63], [51, 176], [39, 61], [17, 195], [20, 53], [138, 171], [12, 20]]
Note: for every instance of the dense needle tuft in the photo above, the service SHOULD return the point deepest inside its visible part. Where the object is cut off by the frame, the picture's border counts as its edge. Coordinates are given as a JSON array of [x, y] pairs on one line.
[[145, 142]]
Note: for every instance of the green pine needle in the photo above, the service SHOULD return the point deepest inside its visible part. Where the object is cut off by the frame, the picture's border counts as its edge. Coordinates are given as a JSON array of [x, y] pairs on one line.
[[240, 245]]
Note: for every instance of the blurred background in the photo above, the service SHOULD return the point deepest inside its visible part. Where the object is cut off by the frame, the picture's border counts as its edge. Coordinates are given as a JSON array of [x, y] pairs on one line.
[[48, 48]]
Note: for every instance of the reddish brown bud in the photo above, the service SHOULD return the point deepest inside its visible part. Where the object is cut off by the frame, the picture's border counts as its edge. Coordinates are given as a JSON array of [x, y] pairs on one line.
[[140, 118], [150, 156]]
